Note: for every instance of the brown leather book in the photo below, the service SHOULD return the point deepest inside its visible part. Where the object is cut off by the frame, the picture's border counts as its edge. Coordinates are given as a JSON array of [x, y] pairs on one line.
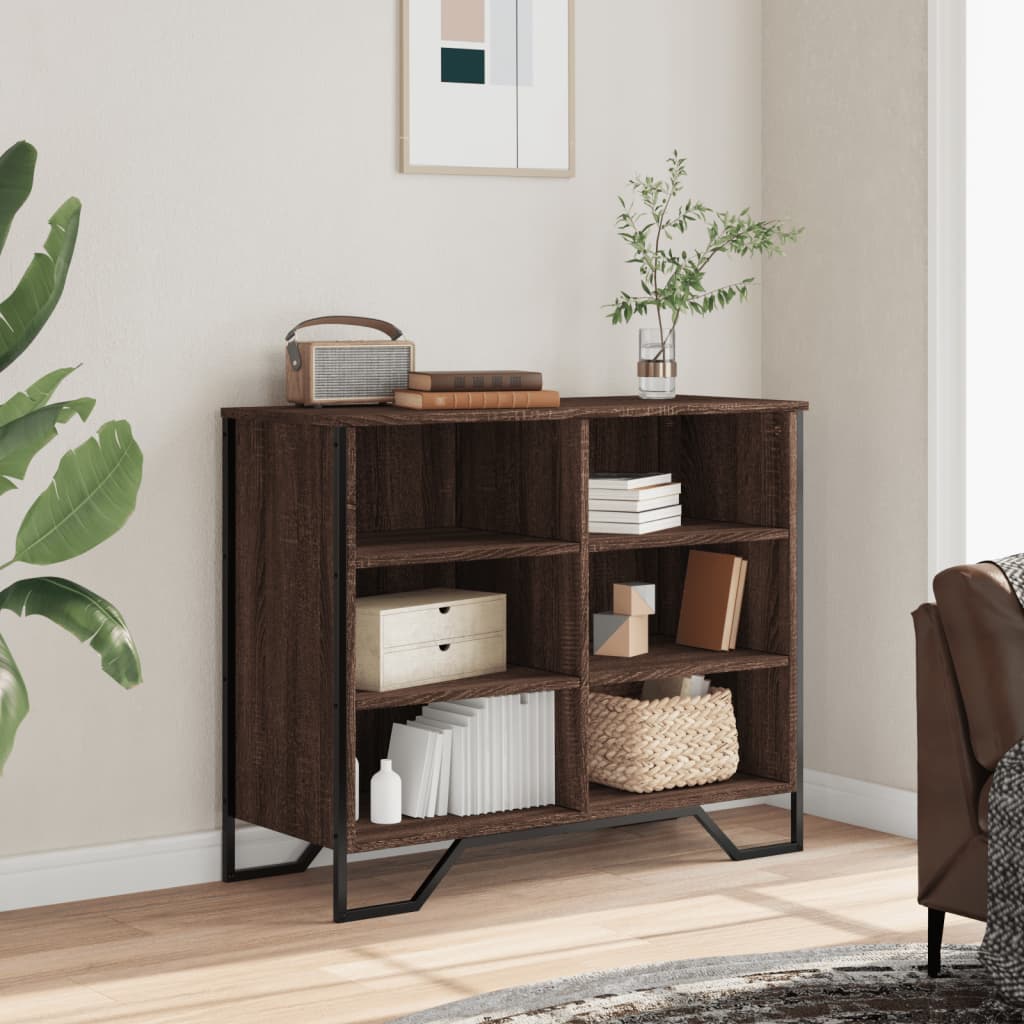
[[709, 600], [477, 399], [476, 380]]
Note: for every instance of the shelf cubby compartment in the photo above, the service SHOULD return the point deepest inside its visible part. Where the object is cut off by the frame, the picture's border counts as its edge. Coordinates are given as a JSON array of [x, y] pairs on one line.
[[738, 473], [467, 491]]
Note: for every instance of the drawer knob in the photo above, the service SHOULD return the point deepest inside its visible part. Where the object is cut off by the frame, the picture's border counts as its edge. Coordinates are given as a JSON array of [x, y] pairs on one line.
[[445, 609], [443, 647]]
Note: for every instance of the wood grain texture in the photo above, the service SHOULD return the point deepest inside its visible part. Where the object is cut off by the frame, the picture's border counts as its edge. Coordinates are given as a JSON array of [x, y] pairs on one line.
[[451, 544], [516, 680], [603, 803], [571, 408], [511, 914], [283, 627], [691, 533], [498, 503], [666, 659]]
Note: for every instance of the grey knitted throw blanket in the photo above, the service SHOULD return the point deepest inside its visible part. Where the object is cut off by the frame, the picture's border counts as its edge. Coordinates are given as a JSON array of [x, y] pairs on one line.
[[1002, 951]]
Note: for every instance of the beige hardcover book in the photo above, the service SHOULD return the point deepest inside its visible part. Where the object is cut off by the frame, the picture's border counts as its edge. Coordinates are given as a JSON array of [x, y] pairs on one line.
[[709, 597], [476, 399], [741, 587]]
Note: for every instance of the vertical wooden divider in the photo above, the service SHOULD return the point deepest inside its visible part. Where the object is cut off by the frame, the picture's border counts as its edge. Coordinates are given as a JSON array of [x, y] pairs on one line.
[[348, 623], [573, 788]]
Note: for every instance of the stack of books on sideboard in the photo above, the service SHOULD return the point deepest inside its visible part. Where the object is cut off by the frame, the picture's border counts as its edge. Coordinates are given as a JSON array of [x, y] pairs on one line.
[[476, 389], [633, 503]]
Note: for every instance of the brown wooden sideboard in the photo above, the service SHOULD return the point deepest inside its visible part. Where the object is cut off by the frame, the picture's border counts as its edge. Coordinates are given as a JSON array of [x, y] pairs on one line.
[[324, 505]]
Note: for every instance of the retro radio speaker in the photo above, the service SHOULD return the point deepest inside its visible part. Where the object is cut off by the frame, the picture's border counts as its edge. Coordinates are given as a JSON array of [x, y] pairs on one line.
[[347, 372]]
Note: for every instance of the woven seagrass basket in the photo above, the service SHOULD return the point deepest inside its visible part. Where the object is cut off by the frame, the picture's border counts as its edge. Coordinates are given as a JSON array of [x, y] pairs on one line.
[[647, 745]]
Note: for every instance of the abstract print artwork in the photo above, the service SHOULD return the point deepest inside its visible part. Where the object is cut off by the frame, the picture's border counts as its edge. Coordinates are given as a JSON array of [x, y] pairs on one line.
[[487, 87]]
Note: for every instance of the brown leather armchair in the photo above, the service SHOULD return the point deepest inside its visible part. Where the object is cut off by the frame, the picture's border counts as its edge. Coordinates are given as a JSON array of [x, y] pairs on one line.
[[970, 711]]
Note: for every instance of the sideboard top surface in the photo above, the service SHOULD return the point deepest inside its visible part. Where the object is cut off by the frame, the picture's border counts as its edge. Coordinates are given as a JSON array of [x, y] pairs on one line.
[[570, 409]]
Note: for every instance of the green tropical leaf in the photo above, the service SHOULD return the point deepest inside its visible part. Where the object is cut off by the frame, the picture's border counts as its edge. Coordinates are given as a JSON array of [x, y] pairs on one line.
[[13, 701], [28, 307], [22, 439], [17, 167], [38, 394], [82, 613], [91, 496]]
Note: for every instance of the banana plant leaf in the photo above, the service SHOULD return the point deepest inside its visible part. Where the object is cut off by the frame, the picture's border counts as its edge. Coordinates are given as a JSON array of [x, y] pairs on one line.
[[91, 496], [17, 169], [22, 439], [13, 701], [28, 307], [85, 615], [38, 394]]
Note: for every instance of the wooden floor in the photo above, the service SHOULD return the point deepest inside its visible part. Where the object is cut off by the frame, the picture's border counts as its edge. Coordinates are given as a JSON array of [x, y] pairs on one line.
[[265, 951]]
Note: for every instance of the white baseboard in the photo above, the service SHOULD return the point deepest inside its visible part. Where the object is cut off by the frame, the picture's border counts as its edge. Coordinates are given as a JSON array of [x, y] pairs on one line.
[[882, 808], [64, 876]]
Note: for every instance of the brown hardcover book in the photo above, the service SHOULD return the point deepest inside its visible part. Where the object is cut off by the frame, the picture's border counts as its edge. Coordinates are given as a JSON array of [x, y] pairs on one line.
[[477, 399], [709, 600], [740, 587], [476, 380]]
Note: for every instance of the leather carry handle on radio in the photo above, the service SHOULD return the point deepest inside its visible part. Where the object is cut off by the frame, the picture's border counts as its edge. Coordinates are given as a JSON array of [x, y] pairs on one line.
[[393, 332]]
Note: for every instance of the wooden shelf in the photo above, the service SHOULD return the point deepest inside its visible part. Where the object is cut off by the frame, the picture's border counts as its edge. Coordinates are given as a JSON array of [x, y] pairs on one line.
[[667, 658], [622, 407], [417, 547], [515, 680], [692, 531], [409, 831], [606, 802]]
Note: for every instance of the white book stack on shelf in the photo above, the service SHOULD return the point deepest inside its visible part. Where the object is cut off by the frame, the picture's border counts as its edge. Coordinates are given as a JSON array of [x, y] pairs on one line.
[[633, 503], [477, 756]]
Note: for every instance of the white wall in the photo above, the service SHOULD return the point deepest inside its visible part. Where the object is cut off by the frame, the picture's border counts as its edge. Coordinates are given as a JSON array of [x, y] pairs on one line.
[[994, 354], [845, 326], [237, 165]]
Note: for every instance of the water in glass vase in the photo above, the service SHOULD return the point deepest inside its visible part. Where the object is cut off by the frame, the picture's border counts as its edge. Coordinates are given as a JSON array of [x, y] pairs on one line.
[[656, 367]]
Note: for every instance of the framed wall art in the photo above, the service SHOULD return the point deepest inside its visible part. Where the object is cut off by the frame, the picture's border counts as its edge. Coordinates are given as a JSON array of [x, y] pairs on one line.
[[487, 87]]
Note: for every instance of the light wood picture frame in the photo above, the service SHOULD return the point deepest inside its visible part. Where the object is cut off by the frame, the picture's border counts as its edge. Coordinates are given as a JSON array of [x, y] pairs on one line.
[[487, 87]]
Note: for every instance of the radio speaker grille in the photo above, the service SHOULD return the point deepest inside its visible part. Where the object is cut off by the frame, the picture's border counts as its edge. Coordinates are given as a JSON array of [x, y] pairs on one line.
[[356, 372]]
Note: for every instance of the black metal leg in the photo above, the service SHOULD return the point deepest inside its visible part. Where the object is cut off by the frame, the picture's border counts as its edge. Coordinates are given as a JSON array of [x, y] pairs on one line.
[[752, 852], [936, 922], [423, 893]]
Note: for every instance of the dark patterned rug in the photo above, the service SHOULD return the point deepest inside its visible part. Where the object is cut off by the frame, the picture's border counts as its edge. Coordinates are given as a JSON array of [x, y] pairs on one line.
[[877, 984]]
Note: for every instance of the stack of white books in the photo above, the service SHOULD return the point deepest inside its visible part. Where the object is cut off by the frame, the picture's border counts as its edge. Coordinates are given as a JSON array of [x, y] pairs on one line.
[[633, 503], [477, 756]]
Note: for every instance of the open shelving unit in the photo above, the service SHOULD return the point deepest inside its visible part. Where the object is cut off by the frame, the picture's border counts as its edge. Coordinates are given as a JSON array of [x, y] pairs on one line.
[[322, 506]]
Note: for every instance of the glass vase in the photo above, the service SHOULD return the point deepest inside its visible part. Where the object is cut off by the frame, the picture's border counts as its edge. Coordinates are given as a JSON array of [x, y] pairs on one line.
[[656, 367]]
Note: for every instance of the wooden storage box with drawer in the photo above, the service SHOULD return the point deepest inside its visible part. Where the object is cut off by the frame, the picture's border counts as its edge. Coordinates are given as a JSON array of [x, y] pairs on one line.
[[425, 636]]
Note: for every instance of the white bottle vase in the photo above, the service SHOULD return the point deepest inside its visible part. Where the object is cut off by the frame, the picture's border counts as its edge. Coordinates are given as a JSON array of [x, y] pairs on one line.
[[386, 796]]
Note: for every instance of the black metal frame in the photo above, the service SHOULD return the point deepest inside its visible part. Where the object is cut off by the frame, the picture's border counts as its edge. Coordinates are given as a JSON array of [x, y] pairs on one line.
[[342, 912]]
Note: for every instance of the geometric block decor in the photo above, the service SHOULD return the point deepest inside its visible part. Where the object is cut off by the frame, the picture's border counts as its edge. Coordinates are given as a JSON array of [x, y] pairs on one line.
[[633, 598], [620, 636], [487, 87]]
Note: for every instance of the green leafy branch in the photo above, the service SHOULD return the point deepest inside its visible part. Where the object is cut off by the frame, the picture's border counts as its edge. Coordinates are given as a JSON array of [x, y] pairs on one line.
[[94, 488], [672, 279]]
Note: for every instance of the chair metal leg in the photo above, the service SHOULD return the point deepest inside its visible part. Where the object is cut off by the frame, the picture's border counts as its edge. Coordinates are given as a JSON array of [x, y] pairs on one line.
[[936, 921]]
